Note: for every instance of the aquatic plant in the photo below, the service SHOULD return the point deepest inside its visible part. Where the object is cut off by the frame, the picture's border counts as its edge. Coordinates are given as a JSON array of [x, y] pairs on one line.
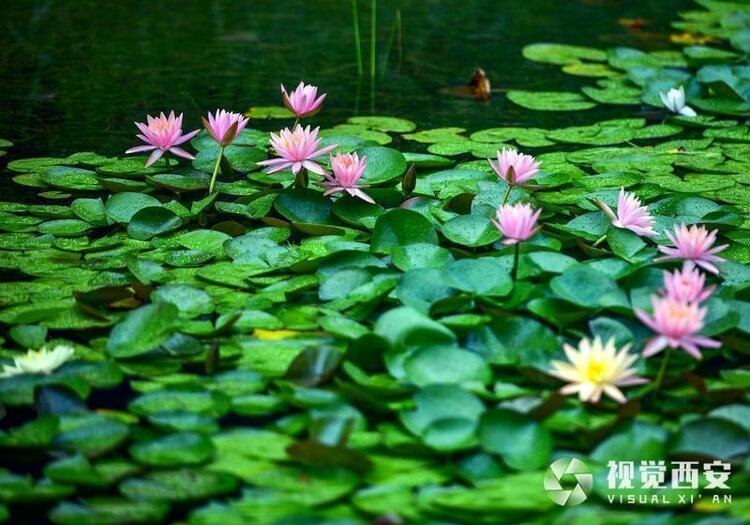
[[631, 215], [357, 43], [162, 134], [677, 322], [42, 361], [687, 285], [224, 127], [514, 168], [303, 101], [674, 101], [694, 244], [347, 170], [296, 150], [596, 368], [517, 222]]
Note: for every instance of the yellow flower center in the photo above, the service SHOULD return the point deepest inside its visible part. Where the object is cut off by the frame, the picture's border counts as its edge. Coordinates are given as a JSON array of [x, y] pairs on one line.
[[159, 126], [594, 370]]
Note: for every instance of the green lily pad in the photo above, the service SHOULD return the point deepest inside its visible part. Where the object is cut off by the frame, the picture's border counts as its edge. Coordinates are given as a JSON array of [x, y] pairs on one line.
[[401, 227], [550, 100], [151, 221], [70, 178], [562, 54], [108, 511], [522, 442], [121, 207], [383, 164], [182, 448], [142, 330], [470, 230], [388, 124]]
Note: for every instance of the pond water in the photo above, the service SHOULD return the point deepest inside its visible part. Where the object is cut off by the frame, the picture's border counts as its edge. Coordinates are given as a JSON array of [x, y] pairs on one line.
[[76, 74]]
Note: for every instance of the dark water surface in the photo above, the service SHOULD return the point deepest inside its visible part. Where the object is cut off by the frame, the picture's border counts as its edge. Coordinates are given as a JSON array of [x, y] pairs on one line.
[[77, 73]]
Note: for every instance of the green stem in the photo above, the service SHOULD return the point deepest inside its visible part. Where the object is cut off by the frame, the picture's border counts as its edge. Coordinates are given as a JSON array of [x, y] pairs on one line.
[[301, 180], [387, 52], [516, 257], [373, 31], [507, 194], [357, 44], [296, 121], [216, 171], [600, 240], [399, 40], [662, 370]]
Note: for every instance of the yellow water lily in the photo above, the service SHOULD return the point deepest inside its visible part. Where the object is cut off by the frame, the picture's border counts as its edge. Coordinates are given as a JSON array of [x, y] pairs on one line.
[[595, 368]]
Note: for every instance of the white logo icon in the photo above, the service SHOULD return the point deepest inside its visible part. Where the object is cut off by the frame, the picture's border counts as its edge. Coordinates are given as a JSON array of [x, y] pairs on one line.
[[578, 470]]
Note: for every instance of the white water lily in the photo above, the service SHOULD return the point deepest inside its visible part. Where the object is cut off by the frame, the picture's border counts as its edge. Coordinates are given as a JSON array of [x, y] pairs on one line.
[[42, 361], [595, 368], [674, 101]]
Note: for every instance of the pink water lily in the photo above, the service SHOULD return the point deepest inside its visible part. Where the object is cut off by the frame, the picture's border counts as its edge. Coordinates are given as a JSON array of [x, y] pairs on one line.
[[296, 150], [162, 134], [517, 222], [695, 245], [514, 168], [687, 285], [631, 215], [225, 126], [347, 170], [304, 100], [677, 324]]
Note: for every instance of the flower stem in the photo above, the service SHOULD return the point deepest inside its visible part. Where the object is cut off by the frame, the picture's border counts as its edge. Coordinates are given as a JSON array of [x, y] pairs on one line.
[[600, 240], [301, 180], [662, 369], [216, 171], [516, 256], [296, 122], [507, 194]]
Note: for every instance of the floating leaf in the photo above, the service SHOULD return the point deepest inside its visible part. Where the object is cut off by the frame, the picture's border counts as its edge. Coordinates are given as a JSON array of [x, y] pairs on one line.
[[400, 227], [142, 330], [151, 221], [550, 100], [562, 54]]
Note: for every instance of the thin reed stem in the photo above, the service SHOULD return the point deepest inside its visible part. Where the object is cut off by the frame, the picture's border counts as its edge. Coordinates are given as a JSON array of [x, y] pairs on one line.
[[357, 43], [373, 35]]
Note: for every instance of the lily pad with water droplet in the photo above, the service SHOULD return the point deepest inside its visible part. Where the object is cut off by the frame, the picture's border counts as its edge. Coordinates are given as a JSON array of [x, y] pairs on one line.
[[562, 54], [269, 112], [71, 178], [387, 124], [550, 100]]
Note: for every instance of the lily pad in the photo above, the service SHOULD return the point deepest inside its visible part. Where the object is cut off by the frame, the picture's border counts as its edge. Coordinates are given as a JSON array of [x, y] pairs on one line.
[[550, 100]]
